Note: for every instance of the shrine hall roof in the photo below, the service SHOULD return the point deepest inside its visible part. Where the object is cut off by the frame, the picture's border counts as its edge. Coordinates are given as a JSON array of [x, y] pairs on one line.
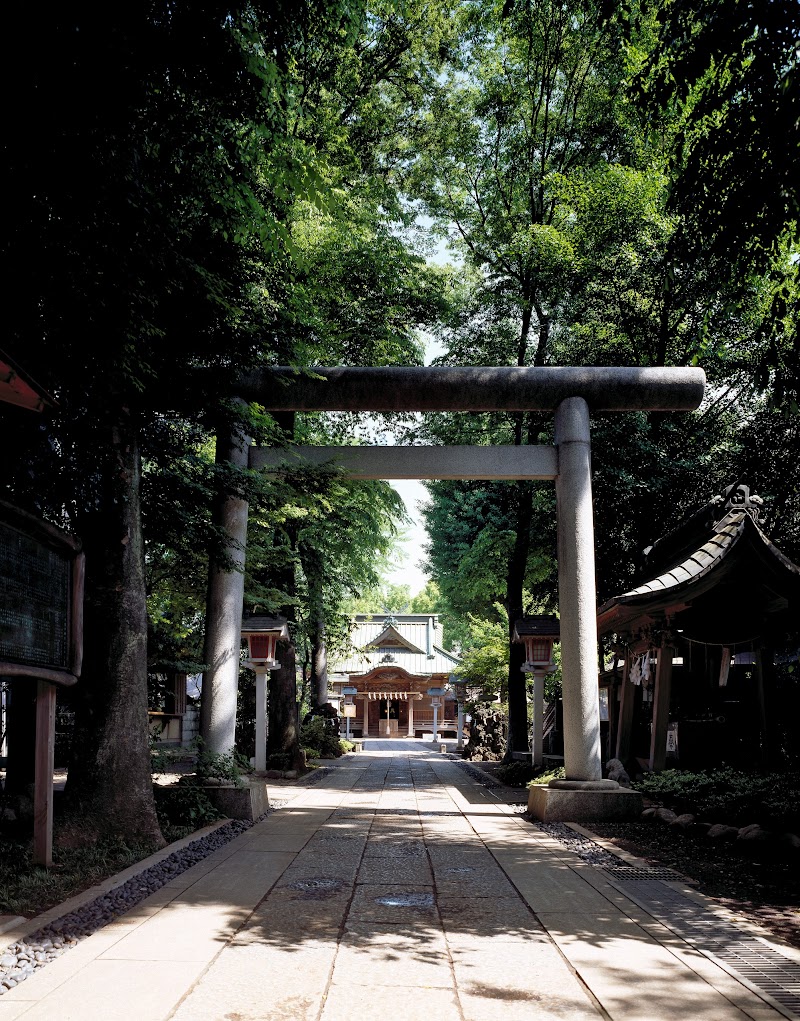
[[411, 641]]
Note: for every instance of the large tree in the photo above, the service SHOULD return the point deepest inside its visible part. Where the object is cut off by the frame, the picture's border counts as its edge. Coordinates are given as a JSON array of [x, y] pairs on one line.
[[150, 169], [724, 80], [529, 99]]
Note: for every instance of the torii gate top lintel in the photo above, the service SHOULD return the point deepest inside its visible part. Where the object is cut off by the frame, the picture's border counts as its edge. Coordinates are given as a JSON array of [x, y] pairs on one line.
[[472, 388]]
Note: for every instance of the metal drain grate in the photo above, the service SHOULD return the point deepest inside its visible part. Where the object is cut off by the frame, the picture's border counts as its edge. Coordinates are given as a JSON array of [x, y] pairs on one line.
[[746, 956], [631, 872]]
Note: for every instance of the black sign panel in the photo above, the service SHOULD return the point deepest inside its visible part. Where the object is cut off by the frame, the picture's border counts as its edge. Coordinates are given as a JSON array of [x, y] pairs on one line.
[[35, 591]]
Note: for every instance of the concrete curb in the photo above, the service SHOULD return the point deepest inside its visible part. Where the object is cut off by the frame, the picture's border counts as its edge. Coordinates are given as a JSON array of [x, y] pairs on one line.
[[14, 933]]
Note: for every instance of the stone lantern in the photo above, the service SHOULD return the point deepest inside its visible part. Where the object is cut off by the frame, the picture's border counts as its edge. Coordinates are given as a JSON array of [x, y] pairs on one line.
[[262, 634], [349, 707], [436, 701], [459, 686], [538, 635]]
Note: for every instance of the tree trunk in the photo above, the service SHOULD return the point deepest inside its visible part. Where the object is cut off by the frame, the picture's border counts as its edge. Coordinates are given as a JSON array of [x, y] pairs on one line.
[[319, 652], [109, 790], [284, 732], [515, 579]]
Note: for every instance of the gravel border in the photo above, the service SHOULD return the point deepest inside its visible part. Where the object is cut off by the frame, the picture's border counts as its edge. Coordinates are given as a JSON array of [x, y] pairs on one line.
[[24, 958]]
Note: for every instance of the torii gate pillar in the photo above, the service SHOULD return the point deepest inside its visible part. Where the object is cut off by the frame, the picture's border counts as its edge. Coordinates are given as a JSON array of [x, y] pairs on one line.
[[576, 591]]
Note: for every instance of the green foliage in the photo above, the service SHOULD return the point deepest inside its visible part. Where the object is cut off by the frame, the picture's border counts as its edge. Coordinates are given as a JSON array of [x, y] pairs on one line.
[[727, 795], [320, 740], [544, 777], [29, 889], [182, 809], [229, 767], [484, 656], [722, 84]]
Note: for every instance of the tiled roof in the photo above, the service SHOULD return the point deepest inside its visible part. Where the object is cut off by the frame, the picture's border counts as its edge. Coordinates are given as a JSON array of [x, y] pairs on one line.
[[685, 576], [420, 653], [546, 624]]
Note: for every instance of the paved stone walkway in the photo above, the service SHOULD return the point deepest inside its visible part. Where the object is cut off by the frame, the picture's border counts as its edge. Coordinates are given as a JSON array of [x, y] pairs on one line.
[[397, 884]]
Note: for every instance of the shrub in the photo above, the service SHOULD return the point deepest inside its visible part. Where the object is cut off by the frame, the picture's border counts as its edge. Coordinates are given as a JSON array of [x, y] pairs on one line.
[[182, 809], [229, 767], [546, 775], [515, 774], [319, 739], [727, 795]]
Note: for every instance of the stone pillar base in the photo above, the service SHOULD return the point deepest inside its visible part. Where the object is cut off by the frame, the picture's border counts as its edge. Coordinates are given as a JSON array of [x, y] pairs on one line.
[[579, 801], [249, 802]]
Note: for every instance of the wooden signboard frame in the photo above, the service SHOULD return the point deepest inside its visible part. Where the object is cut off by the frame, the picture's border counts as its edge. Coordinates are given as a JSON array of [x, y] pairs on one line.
[[29, 545]]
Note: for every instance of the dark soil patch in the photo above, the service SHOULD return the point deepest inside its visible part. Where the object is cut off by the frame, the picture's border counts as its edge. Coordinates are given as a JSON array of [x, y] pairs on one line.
[[767, 893]]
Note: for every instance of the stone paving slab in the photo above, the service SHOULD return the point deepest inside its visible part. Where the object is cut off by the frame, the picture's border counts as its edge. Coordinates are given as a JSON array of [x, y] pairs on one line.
[[394, 871]]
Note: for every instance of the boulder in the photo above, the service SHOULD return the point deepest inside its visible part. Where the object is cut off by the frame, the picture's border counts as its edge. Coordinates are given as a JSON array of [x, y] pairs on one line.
[[665, 815], [790, 846], [684, 821], [615, 770], [759, 843], [648, 814], [719, 831]]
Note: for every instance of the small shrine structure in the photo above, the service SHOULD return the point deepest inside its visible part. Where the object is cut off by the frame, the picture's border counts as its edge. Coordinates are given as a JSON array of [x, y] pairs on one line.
[[697, 641], [397, 665]]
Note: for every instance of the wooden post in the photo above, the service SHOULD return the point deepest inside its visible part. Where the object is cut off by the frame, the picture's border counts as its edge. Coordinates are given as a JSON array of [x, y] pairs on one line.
[[43, 782], [661, 698], [625, 724]]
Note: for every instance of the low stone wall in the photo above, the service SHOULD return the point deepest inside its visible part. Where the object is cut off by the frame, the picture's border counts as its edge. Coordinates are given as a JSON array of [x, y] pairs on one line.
[[248, 802]]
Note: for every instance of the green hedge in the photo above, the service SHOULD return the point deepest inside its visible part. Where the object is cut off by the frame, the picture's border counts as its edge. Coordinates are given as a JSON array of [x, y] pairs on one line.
[[728, 795]]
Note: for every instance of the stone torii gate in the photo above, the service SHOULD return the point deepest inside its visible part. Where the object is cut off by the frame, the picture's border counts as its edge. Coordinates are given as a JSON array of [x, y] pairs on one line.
[[571, 393]]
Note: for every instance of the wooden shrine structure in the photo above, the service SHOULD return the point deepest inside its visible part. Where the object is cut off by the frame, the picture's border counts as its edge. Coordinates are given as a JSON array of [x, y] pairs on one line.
[[697, 638]]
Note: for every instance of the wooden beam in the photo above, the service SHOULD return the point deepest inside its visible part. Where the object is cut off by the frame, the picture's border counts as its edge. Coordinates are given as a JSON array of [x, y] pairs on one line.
[[625, 720], [43, 777], [661, 699]]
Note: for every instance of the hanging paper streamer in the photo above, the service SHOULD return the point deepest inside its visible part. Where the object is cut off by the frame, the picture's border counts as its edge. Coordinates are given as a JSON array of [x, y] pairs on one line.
[[724, 667]]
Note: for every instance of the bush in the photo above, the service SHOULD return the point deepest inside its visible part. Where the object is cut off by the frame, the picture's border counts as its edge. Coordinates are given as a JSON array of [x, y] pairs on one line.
[[727, 795], [182, 809], [546, 775], [229, 768], [319, 739], [516, 774]]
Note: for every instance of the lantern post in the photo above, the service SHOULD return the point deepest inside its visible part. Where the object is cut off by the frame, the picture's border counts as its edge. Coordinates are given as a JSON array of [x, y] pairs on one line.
[[459, 687], [262, 634], [436, 701], [349, 712], [538, 635]]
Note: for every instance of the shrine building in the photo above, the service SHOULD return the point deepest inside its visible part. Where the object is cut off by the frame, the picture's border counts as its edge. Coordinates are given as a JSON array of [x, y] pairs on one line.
[[702, 639], [394, 664]]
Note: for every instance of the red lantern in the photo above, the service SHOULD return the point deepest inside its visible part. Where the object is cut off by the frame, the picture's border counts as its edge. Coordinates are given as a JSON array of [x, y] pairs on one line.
[[262, 646], [538, 635], [538, 650], [262, 634]]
